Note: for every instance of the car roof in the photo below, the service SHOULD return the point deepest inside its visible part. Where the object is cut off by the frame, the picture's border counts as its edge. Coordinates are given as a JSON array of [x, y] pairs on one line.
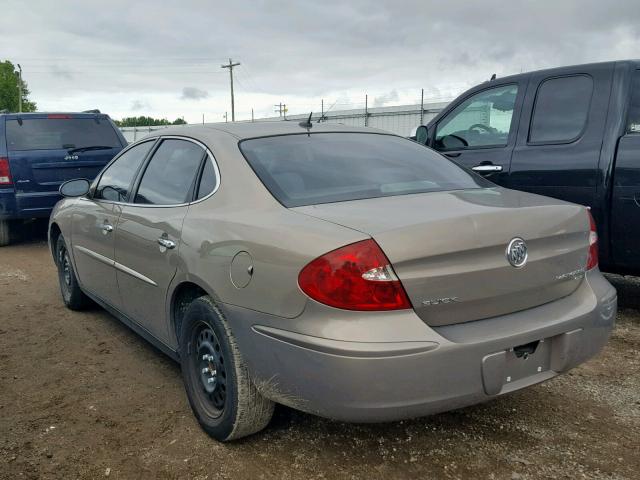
[[245, 130]]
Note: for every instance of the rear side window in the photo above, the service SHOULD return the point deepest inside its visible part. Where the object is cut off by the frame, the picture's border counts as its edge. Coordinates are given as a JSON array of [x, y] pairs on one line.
[[60, 133], [170, 176], [116, 180], [208, 180], [335, 167], [633, 120], [561, 109]]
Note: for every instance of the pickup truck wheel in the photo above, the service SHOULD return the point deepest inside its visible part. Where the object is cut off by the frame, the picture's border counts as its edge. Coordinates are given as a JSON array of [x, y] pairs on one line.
[[73, 297], [222, 396], [4, 233]]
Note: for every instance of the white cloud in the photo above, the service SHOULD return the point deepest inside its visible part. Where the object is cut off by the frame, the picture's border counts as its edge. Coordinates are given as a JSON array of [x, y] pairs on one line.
[[127, 57]]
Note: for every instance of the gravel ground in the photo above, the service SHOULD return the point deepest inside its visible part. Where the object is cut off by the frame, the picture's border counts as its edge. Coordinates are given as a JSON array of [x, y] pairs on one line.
[[81, 396]]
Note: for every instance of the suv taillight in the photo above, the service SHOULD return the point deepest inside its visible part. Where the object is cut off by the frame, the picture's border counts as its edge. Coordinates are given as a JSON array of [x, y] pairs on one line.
[[355, 277], [5, 173], [592, 258]]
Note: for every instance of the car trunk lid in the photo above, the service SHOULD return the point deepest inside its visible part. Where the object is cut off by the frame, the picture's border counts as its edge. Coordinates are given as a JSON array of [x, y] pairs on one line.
[[449, 248]]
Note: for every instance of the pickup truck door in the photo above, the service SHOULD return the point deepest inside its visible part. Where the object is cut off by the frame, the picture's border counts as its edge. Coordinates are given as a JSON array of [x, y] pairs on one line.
[[625, 200], [149, 233], [479, 130], [561, 133]]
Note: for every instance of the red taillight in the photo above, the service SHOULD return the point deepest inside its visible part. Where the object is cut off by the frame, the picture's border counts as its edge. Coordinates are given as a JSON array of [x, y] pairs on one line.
[[5, 173], [355, 277], [58, 116], [592, 258]]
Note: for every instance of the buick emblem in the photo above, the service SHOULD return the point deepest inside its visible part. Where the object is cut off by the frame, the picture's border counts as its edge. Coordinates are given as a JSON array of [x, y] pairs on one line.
[[517, 252]]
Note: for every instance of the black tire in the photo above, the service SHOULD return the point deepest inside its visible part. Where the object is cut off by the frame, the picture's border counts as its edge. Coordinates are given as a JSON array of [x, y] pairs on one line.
[[73, 297], [5, 233], [229, 406]]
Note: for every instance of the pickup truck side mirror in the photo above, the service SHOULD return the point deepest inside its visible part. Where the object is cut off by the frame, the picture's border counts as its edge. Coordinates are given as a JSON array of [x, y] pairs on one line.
[[422, 135]]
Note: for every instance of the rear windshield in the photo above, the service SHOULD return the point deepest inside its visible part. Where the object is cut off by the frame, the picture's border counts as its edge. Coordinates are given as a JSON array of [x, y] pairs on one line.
[[60, 133], [336, 167]]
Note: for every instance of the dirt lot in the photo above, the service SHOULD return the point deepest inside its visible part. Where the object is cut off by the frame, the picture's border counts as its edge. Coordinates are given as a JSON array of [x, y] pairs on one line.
[[81, 396]]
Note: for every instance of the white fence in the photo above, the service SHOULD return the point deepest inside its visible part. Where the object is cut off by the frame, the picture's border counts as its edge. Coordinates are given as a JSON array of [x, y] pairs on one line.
[[401, 120]]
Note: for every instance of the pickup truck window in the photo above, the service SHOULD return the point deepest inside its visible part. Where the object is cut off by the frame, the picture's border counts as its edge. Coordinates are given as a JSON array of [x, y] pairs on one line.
[[561, 109], [482, 120], [633, 120]]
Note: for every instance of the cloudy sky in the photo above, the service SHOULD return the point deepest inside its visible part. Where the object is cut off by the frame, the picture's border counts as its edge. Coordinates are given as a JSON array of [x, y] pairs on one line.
[[163, 58]]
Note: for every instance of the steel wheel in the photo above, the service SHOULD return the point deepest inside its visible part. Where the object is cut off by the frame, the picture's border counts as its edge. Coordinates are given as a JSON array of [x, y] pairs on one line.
[[64, 264], [209, 363]]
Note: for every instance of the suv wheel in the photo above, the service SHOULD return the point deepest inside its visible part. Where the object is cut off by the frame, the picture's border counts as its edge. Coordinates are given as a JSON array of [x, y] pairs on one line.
[[4, 233], [222, 396], [73, 297]]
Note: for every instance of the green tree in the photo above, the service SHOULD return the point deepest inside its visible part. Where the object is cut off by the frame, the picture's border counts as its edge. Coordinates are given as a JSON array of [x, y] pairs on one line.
[[9, 91], [144, 121]]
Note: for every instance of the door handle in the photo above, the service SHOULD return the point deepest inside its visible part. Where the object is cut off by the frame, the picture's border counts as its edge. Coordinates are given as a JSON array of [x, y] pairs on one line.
[[166, 243], [453, 155], [107, 228], [487, 168]]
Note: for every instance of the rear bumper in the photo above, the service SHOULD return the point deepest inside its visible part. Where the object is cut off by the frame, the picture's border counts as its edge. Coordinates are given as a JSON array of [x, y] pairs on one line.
[[26, 205], [324, 362]]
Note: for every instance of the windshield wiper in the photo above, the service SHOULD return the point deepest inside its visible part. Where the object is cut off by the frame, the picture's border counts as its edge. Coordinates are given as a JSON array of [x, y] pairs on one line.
[[86, 149]]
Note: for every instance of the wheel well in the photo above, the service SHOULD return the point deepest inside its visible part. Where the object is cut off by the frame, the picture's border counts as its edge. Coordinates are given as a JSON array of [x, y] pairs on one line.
[[54, 233], [184, 294]]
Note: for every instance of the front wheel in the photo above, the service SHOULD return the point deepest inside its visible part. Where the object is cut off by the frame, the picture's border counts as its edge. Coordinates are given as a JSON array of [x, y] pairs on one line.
[[221, 394], [73, 297]]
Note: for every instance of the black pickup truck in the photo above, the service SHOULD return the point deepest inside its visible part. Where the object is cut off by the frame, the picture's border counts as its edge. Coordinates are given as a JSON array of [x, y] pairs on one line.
[[572, 133]]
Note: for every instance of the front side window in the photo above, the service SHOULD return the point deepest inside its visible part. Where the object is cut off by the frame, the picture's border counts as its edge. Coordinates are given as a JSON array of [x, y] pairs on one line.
[[116, 180], [561, 109], [483, 120], [318, 168], [170, 175], [633, 119], [60, 133]]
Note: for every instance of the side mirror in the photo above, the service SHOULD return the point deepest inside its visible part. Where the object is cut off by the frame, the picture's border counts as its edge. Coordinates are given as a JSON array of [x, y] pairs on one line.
[[75, 188], [422, 135]]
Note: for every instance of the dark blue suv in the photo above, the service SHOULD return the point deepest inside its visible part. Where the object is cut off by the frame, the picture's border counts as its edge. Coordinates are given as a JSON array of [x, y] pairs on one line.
[[39, 151]]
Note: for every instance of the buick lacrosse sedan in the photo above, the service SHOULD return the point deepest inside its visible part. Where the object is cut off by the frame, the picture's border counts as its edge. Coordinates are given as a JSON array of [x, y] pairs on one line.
[[345, 272]]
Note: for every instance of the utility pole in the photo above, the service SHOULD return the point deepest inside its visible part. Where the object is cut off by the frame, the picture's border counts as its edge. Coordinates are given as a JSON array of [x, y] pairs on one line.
[[366, 110], [225, 117], [230, 67], [422, 107], [281, 108], [19, 88], [252, 115]]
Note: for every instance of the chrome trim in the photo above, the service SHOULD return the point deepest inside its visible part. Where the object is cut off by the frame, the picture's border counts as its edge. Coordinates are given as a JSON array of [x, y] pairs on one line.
[[487, 168], [97, 256], [133, 273], [175, 137], [116, 265]]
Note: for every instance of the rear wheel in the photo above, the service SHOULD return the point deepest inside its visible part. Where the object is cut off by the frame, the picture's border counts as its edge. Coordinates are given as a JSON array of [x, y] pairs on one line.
[[4, 233], [73, 297], [221, 394]]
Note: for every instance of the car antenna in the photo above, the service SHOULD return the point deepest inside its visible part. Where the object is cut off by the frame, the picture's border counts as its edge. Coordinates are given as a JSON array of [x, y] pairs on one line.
[[493, 77], [308, 125]]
